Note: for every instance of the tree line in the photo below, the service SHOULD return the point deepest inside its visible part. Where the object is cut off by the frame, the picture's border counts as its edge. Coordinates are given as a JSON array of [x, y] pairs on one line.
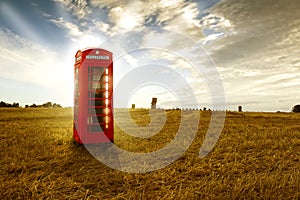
[[45, 105], [17, 105], [8, 105]]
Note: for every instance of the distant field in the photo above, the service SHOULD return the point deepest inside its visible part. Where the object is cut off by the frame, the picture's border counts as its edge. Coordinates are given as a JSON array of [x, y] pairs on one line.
[[256, 157]]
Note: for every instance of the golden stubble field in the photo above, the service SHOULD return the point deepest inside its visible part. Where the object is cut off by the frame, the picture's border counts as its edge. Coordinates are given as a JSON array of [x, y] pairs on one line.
[[256, 157]]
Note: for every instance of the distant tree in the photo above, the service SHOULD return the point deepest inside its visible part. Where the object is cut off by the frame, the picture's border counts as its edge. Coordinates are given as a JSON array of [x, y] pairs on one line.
[[2, 104], [55, 105], [296, 109], [16, 105], [26, 106], [47, 105], [8, 105], [33, 106]]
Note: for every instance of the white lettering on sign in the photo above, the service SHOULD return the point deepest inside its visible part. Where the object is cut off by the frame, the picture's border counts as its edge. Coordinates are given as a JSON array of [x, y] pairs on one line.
[[97, 57]]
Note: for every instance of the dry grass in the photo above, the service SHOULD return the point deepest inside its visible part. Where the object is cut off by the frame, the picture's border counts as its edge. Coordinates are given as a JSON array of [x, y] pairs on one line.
[[256, 157]]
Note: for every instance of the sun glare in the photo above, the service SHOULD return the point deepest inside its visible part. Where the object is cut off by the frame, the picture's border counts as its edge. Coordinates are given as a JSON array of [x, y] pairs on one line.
[[128, 21]]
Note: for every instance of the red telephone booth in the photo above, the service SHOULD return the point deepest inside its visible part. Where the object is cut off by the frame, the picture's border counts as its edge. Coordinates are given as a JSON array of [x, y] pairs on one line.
[[93, 92]]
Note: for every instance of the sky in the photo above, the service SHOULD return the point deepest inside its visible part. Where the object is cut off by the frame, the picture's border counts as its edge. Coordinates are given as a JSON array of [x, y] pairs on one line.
[[178, 51]]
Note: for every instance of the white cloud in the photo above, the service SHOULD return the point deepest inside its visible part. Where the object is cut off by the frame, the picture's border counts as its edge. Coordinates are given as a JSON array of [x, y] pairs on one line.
[[213, 21], [81, 38], [73, 29], [212, 37], [131, 60], [101, 26], [184, 20], [179, 15], [109, 3], [125, 19], [79, 8]]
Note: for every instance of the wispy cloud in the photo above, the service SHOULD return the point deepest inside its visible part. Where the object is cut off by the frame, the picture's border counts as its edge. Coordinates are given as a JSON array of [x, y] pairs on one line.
[[78, 8], [73, 29], [176, 15]]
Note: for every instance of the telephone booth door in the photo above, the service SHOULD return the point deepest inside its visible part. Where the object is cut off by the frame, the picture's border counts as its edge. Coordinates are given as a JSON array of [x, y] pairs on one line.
[[93, 92]]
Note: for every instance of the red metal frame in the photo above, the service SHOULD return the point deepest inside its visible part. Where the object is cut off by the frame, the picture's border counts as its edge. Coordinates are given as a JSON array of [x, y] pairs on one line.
[[93, 97]]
